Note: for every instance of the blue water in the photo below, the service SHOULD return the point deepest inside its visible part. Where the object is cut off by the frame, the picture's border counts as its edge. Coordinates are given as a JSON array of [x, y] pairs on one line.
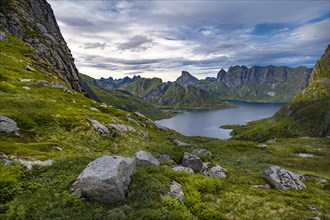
[[206, 122]]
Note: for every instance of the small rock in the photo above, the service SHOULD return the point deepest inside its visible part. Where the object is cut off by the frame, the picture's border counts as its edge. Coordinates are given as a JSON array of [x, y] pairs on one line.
[[271, 141], [8, 125], [320, 180], [29, 164], [69, 91], [132, 121], [121, 127], [58, 148], [166, 158], [3, 36], [101, 129], [26, 88], [263, 145], [139, 114], [8, 162], [59, 86], [176, 191], [214, 170], [192, 161], [313, 208], [104, 105], [202, 151], [146, 159], [265, 186], [181, 143], [93, 109], [182, 168], [43, 83], [30, 68], [105, 179], [283, 179], [305, 155], [26, 80], [145, 134]]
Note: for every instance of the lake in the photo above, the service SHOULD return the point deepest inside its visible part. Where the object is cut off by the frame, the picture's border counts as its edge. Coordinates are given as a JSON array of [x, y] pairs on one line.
[[206, 122]]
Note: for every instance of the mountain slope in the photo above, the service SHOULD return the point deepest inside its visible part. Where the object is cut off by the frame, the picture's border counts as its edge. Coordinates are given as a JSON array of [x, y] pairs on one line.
[[308, 114]]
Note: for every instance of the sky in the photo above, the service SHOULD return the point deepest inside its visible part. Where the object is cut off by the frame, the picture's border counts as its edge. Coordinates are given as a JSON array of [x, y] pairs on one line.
[[161, 38]]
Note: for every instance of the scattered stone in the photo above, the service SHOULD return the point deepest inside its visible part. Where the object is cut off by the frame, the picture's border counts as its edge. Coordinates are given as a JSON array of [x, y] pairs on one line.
[[101, 129], [320, 180], [133, 121], [43, 83], [158, 126], [202, 151], [176, 191], [3, 37], [58, 148], [214, 170], [121, 127], [182, 168], [263, 145], [26, 88], [192, 161], [139, 114], [26, 80], [145, 134], [29, 164], [238, 161], [283, 179], [30, 68], [313, 208], [245, 173], [265, 186], [8, 125], [181, 143], [8, 162], [305, 155], [59, 86], [271, 141], [166, 158], [105, 179], [146, 159], [104, 105], [93, 109]]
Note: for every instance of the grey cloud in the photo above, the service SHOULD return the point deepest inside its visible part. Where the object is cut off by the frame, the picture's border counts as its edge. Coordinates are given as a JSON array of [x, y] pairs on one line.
[[136, 43], [94, 45], [78, 22]]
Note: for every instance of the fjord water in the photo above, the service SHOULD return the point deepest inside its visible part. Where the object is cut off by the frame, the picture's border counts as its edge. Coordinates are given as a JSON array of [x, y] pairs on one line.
[[206, 122]]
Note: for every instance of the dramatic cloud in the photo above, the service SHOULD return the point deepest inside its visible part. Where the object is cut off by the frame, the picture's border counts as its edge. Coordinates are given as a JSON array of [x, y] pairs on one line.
[[162, 38]]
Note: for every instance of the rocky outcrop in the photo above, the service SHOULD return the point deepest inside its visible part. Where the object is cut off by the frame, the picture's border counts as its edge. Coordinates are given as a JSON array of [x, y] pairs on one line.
[[192, 161], [8, 125], [105, 179], [99, 127], [283, 179], [202, 152], [146, 159], [214, 170], [186, 79], [33, 21], [176, 191]]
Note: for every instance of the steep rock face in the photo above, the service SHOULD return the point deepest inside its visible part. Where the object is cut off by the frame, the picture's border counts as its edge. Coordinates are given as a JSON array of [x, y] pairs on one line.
[[186, 79], [33, 21]]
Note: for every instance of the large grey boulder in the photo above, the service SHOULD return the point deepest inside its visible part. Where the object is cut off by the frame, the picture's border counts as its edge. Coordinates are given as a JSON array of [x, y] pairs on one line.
[[146, 159], [182, 168], [176, 191], [214, 170], [121, 127], [283, 179], [105, 179], [202, 151], [192, 161], [181, 143], [101, 129], [8, 125]]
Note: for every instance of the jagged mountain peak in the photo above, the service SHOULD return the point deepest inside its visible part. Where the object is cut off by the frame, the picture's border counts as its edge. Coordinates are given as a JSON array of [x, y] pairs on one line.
[[186, 79]]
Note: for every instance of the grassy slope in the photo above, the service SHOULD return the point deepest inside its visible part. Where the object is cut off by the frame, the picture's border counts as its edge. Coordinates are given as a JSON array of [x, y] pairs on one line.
[[50, 117]]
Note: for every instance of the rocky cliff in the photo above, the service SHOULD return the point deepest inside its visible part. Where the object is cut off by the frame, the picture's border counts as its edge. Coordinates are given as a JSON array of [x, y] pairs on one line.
[[186, 79], [33, 21]]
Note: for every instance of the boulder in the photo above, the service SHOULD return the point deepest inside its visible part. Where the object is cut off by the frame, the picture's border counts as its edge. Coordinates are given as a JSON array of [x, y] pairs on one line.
[[3, 36], [176, 191], [139, 114], [145, 134], [202, 151], [166, 158], [133, 121], [192, 161], [43, 83], [121, 127], [181, 143], [93, 109], [26, 80], [271, 141], [146, 159], [101, 129], [59, 86], [283, 179], [8, 125], [214, 170], [26, 88], [182, 168], [30, 68], [105, 179], [263, 145]]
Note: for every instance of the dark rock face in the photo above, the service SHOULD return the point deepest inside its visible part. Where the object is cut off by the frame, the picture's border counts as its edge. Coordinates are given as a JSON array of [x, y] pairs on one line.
[[186, 79], [33, 21]]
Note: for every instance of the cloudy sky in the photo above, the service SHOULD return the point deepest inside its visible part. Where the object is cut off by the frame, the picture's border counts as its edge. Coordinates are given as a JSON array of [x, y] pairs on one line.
[[162, 38]]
